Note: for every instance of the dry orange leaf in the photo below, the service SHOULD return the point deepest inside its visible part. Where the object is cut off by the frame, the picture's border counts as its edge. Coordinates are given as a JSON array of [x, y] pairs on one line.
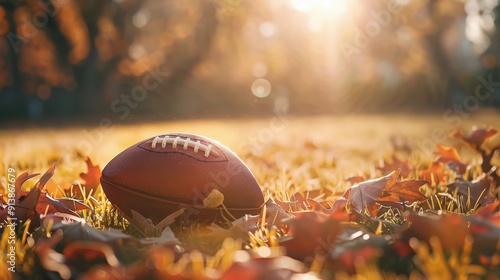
[[450, 155], [92, 177], [433, 173]]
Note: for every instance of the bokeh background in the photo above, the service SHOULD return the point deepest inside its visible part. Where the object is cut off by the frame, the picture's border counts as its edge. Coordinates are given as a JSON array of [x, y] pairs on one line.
[[170, 59]]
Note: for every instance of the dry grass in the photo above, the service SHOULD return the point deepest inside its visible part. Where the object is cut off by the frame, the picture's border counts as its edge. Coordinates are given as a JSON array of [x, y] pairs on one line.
[[287, 154]]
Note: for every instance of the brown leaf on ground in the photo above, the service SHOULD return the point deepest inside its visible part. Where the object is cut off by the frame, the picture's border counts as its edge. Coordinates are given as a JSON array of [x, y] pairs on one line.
[[275, 213], [353, 247], [279, 268], [50, 260], [33, 204], [91, 180], [433, 173], [92, 177], [403, 191], [147, 229], [300, 201], [363, 196], [452, 230], [476, 137], [309, 233], [450, 155], [26, 205], [48, 205], [489, 212], [474, 191], [387, 190], [80, 231], [23, 177]]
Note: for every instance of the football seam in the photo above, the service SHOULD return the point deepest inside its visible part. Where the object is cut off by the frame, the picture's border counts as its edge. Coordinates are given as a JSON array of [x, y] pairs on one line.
[[168, 200]]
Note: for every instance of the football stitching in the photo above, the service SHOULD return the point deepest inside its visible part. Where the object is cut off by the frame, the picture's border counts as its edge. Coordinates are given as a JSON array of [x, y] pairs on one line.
[[186, 143]]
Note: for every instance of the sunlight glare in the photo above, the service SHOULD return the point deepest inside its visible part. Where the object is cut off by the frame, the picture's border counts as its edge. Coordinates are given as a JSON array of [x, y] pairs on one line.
[[326, 7], [261, 88]]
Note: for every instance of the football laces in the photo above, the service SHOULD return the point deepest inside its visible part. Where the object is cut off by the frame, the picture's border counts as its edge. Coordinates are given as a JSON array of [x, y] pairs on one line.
[[184, 142]]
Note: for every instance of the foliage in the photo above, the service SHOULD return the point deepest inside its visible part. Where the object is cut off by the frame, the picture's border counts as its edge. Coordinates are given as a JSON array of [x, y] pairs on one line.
[[416, 220]]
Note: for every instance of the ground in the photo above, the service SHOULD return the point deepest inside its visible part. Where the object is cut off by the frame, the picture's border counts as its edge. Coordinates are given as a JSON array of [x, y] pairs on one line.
[[287, 153]]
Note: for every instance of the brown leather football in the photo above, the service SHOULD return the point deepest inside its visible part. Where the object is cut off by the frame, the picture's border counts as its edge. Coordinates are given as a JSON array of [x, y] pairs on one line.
[[162, 174]]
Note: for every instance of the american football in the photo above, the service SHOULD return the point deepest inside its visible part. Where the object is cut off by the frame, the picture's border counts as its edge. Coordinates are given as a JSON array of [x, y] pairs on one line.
[[165, 173]]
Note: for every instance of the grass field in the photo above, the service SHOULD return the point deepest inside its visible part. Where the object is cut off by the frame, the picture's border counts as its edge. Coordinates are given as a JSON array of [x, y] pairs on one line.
[[354, 140], [287, 154]]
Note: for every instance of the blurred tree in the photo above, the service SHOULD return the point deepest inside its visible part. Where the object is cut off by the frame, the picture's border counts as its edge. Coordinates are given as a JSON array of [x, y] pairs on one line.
[[79, 56], [225, 57]]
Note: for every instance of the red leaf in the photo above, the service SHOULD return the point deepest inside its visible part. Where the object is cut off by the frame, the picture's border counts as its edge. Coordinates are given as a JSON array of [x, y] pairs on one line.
[[450, 229], [309, 233], [489, 212]]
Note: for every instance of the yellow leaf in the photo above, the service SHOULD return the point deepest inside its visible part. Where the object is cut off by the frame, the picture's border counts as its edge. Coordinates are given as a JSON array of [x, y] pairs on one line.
[[214, 199]]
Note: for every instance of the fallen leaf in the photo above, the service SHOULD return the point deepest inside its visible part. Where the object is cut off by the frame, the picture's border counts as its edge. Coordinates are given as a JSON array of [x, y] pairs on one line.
[[49, 259], [450, 229], [275, 214], [27, 202], [310, 233], [82, 255], [450, 155], [363, 196], [36, 203], [477, 191], [489, 212], [476, 137], [406, 191], [214, 199], [212, 239], [92, 177], [279, 268], [21, 179], [488, 166], [485, 234], [434, 173], [353, 247], [121, 243], [148, 229]]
